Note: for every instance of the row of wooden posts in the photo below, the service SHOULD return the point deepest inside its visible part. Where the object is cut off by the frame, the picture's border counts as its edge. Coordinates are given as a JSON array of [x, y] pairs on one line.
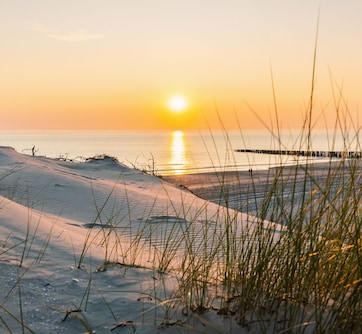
[[306, 153]]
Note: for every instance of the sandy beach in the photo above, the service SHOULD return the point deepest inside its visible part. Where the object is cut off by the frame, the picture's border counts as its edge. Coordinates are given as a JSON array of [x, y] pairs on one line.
[[97, 247], [81, 246]]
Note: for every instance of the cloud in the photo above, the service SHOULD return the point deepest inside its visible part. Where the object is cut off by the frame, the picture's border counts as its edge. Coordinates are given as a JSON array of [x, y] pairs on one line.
[[75, 36], [70, 36]]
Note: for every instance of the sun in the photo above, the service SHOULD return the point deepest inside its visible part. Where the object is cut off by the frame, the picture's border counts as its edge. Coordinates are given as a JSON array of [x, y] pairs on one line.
[[177, 103]]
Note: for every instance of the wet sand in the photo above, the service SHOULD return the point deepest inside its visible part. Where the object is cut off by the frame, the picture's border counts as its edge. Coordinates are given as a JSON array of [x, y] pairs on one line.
[[247, 191]]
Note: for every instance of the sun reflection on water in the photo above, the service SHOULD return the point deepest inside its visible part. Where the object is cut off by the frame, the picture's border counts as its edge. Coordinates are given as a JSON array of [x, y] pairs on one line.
[[178, 158]]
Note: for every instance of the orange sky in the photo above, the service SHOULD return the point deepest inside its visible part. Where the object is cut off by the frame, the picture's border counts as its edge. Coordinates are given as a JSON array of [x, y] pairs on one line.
[[114, 65]]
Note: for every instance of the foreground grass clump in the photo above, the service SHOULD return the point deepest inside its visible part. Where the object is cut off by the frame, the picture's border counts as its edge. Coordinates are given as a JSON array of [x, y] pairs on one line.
[[313, 272], [306, 277]]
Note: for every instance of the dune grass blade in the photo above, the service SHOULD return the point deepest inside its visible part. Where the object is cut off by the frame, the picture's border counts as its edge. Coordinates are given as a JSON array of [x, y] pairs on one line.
[[22, 324]]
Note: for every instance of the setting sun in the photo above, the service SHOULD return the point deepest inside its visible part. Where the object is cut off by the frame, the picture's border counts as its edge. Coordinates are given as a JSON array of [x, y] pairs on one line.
[[177, 103]]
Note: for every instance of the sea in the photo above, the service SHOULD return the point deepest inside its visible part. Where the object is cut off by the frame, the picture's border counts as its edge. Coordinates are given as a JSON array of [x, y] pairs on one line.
[[178, 152]]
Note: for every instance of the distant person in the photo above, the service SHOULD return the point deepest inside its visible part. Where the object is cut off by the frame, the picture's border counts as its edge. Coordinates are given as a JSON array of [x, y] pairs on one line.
[[33, 150]]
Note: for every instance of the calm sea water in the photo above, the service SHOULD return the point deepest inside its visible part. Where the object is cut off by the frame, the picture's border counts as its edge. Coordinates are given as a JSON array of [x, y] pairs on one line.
[[172, 152]]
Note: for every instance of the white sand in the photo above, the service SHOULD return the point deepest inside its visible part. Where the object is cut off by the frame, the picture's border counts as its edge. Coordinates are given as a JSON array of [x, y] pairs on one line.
[[46, 209]]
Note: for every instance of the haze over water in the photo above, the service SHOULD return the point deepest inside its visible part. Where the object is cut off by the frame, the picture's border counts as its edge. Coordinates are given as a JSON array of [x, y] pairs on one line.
[[172, 152]]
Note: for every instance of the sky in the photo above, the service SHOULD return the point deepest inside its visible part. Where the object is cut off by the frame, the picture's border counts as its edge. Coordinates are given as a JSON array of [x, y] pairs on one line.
[[115, 64]]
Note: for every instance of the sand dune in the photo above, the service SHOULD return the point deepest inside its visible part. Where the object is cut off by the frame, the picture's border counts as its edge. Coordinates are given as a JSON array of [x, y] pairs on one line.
[[60, 221]]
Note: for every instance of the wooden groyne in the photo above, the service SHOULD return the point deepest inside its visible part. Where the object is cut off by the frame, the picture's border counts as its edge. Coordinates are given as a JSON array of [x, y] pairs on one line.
[[306, 153]]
